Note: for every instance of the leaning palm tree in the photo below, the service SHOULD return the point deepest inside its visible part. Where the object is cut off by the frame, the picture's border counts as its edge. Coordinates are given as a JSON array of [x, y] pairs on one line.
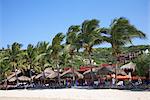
[[56, 51], [90, 36], [72, 44], [120, 33], [72, 38]]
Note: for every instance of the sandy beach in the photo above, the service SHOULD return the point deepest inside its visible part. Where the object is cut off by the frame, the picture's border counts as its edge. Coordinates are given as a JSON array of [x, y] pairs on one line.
[[74, 94]]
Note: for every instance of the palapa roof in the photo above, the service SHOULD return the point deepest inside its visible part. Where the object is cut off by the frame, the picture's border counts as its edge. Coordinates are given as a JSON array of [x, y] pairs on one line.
[[89, 74], [130, 65], [52, 75], [104, 70], [38, 76], [24, 78], [13, 74], [48, 72], [71, 71], [21, 78], [89, 71], [12, 79]]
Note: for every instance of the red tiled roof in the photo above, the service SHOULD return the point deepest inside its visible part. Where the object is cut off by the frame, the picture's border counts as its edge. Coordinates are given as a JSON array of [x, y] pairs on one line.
[[85, 68]]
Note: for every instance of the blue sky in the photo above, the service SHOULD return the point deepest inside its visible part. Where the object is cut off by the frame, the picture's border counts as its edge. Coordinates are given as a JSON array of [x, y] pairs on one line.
[[30, 21]]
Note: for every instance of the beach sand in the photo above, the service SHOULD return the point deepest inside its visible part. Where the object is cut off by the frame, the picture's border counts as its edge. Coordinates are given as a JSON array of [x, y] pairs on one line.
[[74, 94]]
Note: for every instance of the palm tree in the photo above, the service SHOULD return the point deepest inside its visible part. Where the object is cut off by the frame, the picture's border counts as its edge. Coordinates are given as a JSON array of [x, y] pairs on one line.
[[56, 51], [90, 36], [14, 56], [30, 56], [43, 52], [119, 34], [72, 38], [4, 68], [72, 43], [5, 71]]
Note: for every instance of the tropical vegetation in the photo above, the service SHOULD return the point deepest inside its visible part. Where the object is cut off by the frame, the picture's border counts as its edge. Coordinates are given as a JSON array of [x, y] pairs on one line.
[[81, 42]]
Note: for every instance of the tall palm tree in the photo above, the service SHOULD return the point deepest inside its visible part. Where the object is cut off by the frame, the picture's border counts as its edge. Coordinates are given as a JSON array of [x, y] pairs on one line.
[[14, 56], [30, 56], [120, 33], [42, 50], [90, 36], [72, 43], [56, 51]]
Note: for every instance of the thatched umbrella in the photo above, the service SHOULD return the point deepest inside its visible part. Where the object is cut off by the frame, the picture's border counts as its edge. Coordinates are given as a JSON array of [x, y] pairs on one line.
[[24, 78], [12, 79], [70, 71], [90, 70], [38, 76], [90, 74], [104, 71], [13, 74], [80, 76], [52, 75], [130, 67], [47, 73]]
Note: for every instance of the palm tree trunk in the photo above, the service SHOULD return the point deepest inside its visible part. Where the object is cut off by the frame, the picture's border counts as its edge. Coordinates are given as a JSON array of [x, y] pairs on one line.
[[44, 77], [16, 74], [58, 74], [90, 61], [73, 76], [30, 75], [6, 82], [73, 69], [116, 67], [115, 54]]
